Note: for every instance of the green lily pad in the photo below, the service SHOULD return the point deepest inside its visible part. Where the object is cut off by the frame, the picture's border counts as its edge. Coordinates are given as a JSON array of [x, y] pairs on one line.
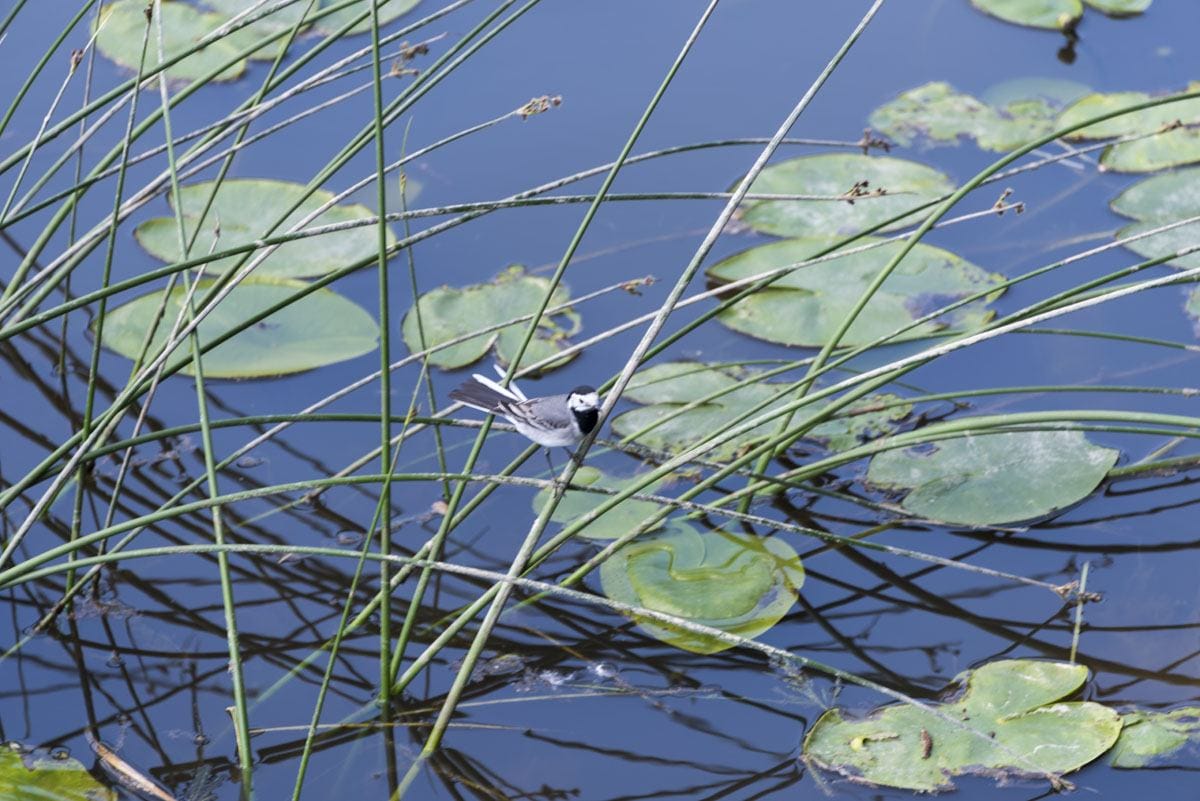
[[1051, 14], [1138, 122], [738, 583], [449, 312], [665, 389], [281, 19], [1167, 149], [1159, 200], [908, 183], [1021, 728], [1120, 8], [614, 523], [243, 207], [388, 11], [939, 114], [991, 479], [319, 329], [122, 26], [1147, 738], [28, 778], [806, 307], [1055, 92]]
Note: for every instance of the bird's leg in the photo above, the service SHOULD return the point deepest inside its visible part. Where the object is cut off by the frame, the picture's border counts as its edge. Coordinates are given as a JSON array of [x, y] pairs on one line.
[[573, 456], [553, 469]]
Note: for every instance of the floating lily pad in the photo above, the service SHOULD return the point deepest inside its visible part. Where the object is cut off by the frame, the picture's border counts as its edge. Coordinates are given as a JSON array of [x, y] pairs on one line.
[[908, 183], [123, 28], [1021, 727], [244, 207], [807, 306], [388, 11], [1137, 122], [991, 479], [665, 390], [449, 312], [1055, 92], [1120, 8], [1148, 738], [1051, 14], [1167, 149], [614, 523], [738, 583], [1159, 200], [26, 777], [319, 329], [281, 19], [936, 113]]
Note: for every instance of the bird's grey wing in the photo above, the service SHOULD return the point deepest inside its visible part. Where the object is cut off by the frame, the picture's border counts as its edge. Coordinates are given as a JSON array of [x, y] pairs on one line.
[[548, 414]]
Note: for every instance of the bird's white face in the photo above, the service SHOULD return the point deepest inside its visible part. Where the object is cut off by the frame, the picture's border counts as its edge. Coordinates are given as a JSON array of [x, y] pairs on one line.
[[583, 402]]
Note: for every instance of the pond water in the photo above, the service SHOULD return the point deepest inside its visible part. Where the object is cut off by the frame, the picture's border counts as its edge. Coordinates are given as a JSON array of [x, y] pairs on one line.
[[572, 700]]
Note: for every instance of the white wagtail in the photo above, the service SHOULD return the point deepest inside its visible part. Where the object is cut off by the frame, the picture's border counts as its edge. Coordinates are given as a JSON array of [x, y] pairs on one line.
[[553, 421]]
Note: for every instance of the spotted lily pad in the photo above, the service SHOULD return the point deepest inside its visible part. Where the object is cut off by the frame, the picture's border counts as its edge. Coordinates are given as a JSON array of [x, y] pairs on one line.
[[319, 329], [1159, 200], [388, 11], [807, 306], [243, 207], [991, 479], [907, 184], [663, 422], [614, 523], [122, 27], [1010, 720], [1051, 14], [738, 583], [1149, 738], [449, 312], [24, 777], [938, 114]]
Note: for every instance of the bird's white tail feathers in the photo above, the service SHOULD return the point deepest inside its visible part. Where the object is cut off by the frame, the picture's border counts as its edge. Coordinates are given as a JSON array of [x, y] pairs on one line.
[[511, 391]]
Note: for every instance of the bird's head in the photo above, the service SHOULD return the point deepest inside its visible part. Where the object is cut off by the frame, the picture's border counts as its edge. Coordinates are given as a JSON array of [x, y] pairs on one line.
[[583, 399]]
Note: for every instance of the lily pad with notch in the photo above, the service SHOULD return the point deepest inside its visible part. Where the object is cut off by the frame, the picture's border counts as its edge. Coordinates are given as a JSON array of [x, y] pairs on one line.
[[122, 29], [319, 329], [994, 478], [807, 306], [739, 583], [448, 313], [906, 185], [1009, 720], [242, 207]]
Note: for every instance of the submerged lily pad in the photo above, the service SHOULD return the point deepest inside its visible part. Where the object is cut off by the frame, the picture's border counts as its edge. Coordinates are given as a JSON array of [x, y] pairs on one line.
[[1148, 738], [281, 19], [24, 777], [738, 583], [806, 307], [991, 479], [449, 312], [1009, 721], [319, 329], [907, 184], [576, 503], [243, 207], [1051, 14], [941, 115], [388, 11], [1159, 200], [122, 27], [665, 389]]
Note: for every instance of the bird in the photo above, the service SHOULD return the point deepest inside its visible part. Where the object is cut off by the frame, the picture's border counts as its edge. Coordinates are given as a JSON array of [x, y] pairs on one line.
[[552, 421]]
